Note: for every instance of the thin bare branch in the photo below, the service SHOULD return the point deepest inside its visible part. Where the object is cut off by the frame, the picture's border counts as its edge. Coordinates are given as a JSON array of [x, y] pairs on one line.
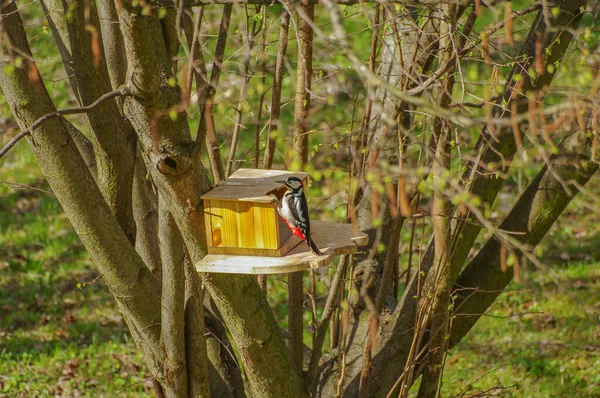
[[276, 93], [328, 311], [212, 144], [251, 38], [120, 92]]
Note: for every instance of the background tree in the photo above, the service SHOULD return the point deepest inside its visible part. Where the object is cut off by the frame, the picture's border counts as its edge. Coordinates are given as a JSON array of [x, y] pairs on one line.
[[381, 121]]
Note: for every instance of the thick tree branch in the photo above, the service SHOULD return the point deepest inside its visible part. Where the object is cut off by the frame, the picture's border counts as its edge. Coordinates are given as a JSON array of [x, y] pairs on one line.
[[145, 215], [304, 72], [172, 305], [484, 279], [112, 136], [114, 49]]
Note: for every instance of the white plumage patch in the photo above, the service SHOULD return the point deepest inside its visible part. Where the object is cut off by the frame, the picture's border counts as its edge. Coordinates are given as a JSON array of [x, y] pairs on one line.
[[285, 212]]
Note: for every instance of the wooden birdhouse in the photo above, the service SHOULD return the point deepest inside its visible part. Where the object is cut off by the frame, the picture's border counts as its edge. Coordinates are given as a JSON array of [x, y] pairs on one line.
[[240, 214], [245, 234]]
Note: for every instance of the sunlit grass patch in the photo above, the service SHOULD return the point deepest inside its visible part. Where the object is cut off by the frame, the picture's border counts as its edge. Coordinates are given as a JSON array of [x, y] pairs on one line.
[[539, 340]]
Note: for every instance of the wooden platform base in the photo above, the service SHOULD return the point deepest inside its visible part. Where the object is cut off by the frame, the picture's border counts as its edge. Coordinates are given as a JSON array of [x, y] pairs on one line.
[[332, 239]]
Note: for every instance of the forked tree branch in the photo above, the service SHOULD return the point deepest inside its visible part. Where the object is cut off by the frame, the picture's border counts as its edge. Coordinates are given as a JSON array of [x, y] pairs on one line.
[[212, 143], [484, 279]]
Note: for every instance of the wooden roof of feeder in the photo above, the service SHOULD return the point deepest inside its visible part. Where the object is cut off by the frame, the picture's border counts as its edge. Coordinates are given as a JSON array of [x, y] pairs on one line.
[[252, 185]]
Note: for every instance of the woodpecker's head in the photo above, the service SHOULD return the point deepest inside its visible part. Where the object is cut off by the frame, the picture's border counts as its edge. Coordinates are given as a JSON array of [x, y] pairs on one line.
[[292, 183]]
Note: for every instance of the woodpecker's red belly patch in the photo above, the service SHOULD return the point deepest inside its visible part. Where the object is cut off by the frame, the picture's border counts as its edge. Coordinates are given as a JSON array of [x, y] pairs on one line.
[[295, 230]]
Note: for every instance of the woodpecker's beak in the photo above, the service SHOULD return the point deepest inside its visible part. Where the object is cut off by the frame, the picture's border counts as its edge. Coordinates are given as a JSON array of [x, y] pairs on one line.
[[282, 182]]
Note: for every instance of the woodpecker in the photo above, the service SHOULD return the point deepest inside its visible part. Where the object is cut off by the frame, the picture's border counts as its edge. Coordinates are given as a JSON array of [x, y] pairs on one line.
[[294, 212]]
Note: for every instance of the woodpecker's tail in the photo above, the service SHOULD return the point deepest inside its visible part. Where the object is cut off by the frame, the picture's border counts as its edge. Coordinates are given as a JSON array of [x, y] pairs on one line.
[[313, 247]]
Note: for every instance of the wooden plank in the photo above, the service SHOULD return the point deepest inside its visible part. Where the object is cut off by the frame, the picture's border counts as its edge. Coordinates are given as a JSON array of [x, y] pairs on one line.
[[242, 224], [288, 244], [333, 239], [262, 174], [265, 225]]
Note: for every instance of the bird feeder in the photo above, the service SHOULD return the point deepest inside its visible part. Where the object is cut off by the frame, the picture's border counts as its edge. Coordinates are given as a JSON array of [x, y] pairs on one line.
[[241, 217], [246, 235]]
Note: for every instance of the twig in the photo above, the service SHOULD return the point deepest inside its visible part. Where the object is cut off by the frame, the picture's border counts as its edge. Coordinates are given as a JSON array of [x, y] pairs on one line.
[[276, 95], [303, 82], [121, 91], [328, 311], [21, 186], [214, 154], [245, 78]]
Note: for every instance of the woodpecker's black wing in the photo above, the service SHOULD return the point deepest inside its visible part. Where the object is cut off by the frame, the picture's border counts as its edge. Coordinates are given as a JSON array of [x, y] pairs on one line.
[[299, 209]]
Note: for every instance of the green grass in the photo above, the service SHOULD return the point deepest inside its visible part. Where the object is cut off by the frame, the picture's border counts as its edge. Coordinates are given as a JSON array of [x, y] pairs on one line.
[[540, 340], [60, 331]]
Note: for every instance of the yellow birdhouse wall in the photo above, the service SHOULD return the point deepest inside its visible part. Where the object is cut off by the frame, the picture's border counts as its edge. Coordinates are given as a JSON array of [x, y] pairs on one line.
[[241, 215]]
